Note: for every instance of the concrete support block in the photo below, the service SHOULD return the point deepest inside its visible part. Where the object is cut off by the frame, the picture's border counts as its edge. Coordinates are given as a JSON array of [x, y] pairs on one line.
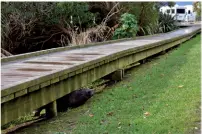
[[51, 109]]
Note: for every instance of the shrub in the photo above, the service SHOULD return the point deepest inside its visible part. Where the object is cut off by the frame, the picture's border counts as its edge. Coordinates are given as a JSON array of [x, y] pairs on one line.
[[145, 12], [73, 13], [128, 27], [152, 28], [104, 10], [167, 22], [32, 26]]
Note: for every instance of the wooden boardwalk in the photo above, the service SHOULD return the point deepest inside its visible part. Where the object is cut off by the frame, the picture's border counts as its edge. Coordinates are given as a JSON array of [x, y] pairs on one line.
[[29, 81], [18, 72]]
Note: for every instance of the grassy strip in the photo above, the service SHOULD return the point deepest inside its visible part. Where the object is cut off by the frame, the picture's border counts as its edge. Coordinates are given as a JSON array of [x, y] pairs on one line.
[[162, 96]]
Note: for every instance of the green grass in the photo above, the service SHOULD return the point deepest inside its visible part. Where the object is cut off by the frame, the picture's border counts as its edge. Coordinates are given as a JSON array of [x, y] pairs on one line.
[[168, 88]]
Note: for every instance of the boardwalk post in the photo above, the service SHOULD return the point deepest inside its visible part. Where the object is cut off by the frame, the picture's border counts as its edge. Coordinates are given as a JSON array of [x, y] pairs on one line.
[[143, 61], [51, 109], [117, 75]]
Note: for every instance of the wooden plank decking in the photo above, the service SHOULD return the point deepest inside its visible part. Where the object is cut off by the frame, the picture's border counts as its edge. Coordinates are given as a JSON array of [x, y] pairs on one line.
[[14, 73]]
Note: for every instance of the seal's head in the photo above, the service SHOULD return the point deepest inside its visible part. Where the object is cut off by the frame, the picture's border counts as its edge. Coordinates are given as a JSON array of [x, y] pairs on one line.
[[89, 92]]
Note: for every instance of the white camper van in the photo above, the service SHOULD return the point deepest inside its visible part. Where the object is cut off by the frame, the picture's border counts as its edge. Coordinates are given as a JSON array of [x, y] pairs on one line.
[[180, 13]]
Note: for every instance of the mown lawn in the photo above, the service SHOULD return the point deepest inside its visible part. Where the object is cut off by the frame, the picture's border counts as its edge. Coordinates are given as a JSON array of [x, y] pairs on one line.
[[161, 97]]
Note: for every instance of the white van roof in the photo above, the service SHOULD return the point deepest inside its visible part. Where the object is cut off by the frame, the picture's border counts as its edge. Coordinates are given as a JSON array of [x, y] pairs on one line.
[[180, 7]]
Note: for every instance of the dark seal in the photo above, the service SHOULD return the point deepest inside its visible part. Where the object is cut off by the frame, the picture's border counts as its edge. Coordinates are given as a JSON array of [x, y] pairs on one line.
[[74, 99], [71, 100]]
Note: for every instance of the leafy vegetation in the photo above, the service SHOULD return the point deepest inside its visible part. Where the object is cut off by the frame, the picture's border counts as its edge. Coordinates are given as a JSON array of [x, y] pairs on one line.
[[64, 12], [128, 27], [149, 18], [152, 28], [145, 13], [197, 9], [32, 26], [166, 22], [107, 11]]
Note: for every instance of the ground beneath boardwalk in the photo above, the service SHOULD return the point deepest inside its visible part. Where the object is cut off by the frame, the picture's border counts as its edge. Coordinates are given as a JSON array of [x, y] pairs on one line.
[[160, 96]]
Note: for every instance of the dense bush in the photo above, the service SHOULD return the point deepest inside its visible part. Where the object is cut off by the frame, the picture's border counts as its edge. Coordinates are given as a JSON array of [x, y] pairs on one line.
[[152, 28], [105, 9], [31, 26], [165, 23], [73, 13], [145, 12], [128, 27], [148, 17]]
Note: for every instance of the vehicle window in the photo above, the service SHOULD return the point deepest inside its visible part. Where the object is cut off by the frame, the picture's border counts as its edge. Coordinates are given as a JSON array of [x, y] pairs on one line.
[[168, 10], [189, 12], [173, 11], [181, 11]]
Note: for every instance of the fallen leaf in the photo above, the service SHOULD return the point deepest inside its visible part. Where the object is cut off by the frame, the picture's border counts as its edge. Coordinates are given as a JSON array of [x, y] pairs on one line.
[[103, 121], [110, 113], [146, 113], [180, 86], [91, 115], [162, 74]]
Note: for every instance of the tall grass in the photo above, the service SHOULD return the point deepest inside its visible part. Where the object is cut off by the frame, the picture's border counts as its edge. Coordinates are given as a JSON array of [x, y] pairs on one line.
[[96, 34]]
